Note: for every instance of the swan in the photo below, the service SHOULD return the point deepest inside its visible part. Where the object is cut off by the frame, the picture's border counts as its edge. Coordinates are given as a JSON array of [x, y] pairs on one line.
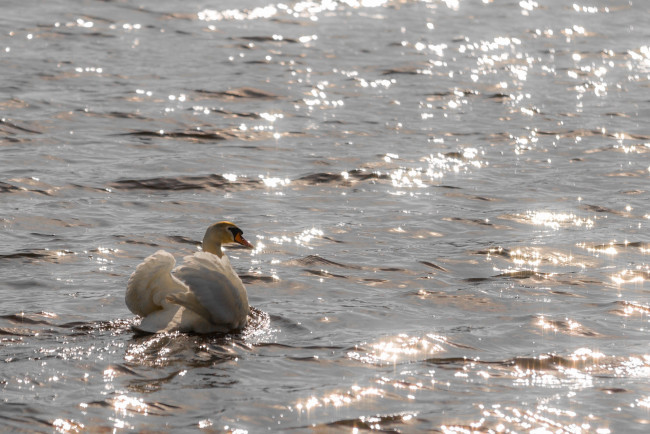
[[204, 295]]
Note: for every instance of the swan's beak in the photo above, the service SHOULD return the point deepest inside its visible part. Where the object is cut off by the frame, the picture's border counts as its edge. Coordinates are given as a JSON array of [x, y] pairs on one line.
[[241, 240]]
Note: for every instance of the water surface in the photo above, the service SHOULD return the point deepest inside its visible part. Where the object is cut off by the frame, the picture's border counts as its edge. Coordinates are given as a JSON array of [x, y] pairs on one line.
[[448, 199]]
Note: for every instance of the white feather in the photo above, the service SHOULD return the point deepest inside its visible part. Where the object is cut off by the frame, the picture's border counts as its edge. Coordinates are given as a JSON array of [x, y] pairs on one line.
[[151, 283]]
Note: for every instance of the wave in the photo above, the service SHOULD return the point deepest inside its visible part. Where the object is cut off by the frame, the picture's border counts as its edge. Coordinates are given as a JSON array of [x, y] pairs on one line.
[[242, 92], [207, 182], [544, 362], [219, 182]]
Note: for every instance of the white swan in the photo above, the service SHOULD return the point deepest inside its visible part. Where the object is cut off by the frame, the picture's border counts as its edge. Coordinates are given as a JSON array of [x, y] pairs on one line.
[[204, 295]]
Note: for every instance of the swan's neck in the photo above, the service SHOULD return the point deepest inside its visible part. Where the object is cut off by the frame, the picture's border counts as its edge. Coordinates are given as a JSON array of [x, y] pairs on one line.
[[212, 247]]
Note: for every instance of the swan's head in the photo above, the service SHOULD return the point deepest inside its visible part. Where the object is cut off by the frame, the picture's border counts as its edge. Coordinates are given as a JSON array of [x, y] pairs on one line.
[[223, 233]]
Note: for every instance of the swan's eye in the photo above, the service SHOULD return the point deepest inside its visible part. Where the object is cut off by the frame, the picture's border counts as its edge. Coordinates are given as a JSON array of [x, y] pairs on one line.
[[235, 232]]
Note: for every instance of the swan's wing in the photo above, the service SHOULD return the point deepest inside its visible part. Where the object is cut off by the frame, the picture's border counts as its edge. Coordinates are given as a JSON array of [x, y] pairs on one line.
[[216, 292], [151, 282]]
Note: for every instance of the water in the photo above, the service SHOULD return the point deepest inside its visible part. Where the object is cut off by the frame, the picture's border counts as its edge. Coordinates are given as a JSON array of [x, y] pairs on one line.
[[448, 199]]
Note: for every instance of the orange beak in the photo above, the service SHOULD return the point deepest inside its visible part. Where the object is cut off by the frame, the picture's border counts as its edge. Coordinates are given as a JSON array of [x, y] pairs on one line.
[[241, 240]]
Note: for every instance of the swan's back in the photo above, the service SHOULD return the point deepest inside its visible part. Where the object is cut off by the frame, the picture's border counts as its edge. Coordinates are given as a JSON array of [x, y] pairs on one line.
[[215, 291]]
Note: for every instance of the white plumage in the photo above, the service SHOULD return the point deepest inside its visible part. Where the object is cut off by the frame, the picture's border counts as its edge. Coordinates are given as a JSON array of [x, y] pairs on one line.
[[204, 295]]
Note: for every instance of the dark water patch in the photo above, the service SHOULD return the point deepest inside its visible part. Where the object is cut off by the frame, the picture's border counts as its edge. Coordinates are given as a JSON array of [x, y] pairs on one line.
[[124, 240], [471, 197], [192, 134], [97, 18], [27, 283], [314, 359], [524, 274], [545, 362], [17, 127], [88, 34], [446, 361], [464, 134], [49, 236], [372, 281], [184, 240], [242, 92], [454, 156], [338, 178], [477, 279], [445, 95], [641, 137], [312, 260], [258, 62], [386, 423], [633, 244], [392, 269], [323, 273], [35, 254], [288, 324], [267, 39], [78, 325], [22, 414], [494, 251], [9, 188], [363, 175], [122, 369], [406, 70], [565, 293], [499, 97], [321, 178], [250, 115], [89, 189], [602, 209], [250, 279], [434, 266], [124, 115], [209, 182], [572, 134], [5, 139], [474, 222], [613, 390]]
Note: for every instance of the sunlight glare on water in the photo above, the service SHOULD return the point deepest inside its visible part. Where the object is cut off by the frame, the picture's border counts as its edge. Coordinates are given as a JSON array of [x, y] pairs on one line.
[[447, 201]]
